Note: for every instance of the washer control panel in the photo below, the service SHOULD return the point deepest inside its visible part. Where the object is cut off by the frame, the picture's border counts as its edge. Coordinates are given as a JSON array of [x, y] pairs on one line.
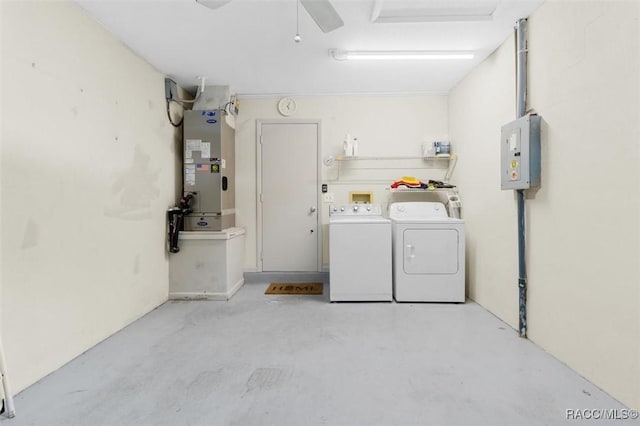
[[356, 210]]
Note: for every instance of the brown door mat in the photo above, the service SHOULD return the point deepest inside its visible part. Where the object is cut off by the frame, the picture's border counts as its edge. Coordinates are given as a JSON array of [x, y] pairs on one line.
[[294, 288]]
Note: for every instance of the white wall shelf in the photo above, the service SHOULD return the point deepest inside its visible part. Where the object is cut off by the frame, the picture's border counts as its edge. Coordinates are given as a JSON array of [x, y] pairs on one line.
[[360, 158], [453, 190], [396, 166]]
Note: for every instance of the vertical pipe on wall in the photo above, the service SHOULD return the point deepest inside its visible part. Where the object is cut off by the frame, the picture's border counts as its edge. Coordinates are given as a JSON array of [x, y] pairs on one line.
[[522, 273], [521, 67], [521, 100]]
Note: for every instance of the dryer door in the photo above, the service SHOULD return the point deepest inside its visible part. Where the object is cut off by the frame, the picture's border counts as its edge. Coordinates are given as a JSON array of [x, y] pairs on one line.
[[431, 251]]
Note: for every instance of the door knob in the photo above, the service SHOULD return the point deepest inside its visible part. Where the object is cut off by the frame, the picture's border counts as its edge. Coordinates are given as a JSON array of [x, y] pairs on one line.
[[312, 209]]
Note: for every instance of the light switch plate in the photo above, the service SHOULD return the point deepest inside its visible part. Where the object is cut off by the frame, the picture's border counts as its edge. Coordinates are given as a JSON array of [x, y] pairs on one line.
[[327, 198]]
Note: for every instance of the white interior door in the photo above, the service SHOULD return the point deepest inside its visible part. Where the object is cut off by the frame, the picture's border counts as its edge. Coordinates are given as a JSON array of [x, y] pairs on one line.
[[289, 197]]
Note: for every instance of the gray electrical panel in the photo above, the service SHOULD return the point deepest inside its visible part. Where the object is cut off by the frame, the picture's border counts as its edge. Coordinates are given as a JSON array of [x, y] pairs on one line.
[[209, 170], [520, 153]]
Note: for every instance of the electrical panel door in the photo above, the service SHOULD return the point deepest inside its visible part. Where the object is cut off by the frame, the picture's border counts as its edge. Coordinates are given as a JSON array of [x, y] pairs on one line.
[[520, 153]]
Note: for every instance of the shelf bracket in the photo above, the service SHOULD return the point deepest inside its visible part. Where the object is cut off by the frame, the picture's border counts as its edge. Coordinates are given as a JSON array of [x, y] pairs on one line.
[[452, 166]]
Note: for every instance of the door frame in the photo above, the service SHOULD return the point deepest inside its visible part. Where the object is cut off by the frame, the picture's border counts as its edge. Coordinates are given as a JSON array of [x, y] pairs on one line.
[[259, 226]]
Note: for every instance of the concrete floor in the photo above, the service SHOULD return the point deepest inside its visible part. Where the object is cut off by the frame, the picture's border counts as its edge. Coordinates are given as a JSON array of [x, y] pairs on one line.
[[299, 360]]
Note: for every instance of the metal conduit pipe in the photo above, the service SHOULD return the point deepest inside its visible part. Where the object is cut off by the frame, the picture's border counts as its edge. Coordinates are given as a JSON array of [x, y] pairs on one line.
[[521, 100], [521, 67]]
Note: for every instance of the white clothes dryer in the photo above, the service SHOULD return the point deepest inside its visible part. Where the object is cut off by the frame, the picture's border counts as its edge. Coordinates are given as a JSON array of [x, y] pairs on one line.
[[428, 253]]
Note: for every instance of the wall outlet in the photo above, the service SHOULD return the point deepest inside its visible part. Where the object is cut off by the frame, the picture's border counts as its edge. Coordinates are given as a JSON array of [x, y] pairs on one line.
[[327, 198]]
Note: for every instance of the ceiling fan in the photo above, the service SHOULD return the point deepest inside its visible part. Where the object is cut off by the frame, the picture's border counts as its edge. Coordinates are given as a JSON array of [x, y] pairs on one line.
[[322, 11]]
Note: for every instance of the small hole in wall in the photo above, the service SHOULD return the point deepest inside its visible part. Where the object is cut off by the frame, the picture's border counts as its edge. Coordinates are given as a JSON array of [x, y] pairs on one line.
[[81, 90], [33, 64], [116, 138]]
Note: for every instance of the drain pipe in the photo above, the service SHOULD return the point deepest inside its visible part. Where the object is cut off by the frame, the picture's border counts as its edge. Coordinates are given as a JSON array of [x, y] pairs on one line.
[[521, 100]]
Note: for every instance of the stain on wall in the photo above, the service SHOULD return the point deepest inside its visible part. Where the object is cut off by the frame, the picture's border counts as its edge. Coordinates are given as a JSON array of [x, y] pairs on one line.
[[134, 189], [31, 235]]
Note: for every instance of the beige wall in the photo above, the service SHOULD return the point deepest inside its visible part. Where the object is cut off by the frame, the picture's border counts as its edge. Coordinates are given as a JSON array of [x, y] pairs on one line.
[[583, 236], [384, 126], [1, 138], [88, 170]]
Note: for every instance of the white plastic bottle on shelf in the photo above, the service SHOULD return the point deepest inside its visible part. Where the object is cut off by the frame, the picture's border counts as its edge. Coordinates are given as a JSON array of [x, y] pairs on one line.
[[347, 145], [354, 144]]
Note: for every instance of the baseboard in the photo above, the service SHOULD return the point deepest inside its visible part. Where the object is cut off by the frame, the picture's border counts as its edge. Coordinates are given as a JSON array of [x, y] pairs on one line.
[[197, 295], [267, 277], [235, 288]]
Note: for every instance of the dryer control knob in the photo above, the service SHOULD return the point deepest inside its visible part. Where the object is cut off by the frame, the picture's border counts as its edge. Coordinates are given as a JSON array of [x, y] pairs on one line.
[[355, 208], [368, 209], [341, 209]]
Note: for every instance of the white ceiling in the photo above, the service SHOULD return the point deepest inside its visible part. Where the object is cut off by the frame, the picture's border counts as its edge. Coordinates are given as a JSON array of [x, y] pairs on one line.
[[248, 44]]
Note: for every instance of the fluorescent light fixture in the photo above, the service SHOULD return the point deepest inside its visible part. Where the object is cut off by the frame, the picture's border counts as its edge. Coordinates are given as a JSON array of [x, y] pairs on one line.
[[397, 55]]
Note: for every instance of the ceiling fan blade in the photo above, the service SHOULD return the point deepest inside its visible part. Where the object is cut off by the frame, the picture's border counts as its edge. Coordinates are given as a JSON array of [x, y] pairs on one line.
[[213, 4], [324, 14]]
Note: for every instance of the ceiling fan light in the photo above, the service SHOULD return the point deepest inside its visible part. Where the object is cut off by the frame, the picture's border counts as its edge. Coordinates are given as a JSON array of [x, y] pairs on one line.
[[398, 55], [213, 4]]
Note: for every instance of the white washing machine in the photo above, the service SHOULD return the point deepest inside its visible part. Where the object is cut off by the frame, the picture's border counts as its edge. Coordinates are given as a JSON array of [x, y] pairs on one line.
[[359, 254], [428, 253]]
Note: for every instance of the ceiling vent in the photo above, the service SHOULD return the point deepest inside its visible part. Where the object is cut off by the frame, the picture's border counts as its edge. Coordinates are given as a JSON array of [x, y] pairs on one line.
[[388, 11]]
